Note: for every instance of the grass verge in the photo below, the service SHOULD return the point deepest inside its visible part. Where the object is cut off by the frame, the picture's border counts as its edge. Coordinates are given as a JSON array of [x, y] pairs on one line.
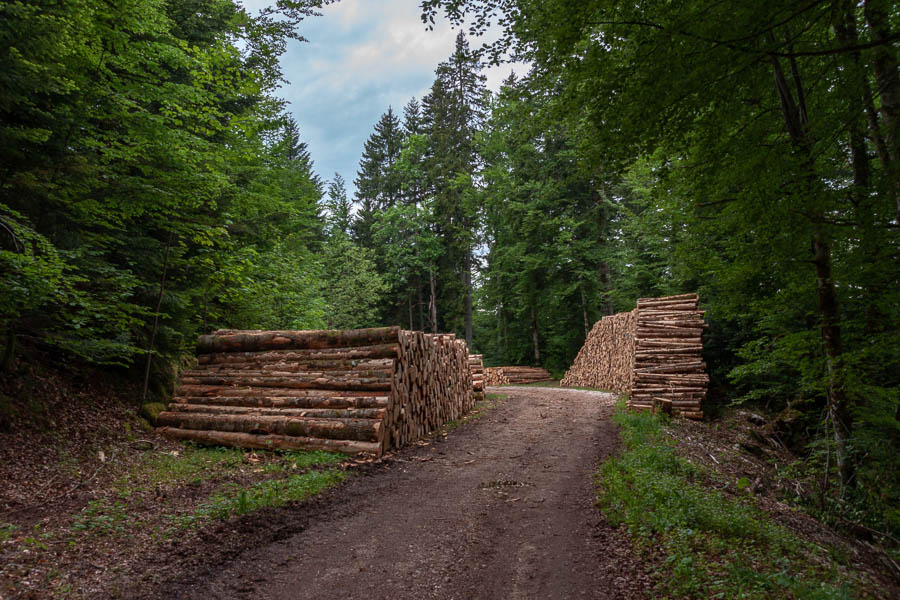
[[704, 543], [271, 493]]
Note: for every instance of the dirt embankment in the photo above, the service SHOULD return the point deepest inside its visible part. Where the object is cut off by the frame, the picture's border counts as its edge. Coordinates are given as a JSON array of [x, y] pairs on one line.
[[503, 509]]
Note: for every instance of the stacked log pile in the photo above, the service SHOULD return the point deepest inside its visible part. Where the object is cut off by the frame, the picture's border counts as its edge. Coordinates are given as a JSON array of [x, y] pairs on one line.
[[668, 366], [606, 361], [432, 385], [495, 376], [476, 365], [351, 391], [523, 375], [653, 353]]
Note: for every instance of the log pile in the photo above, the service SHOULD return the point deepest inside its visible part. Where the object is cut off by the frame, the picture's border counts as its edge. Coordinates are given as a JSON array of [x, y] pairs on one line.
[[432, 385], [476, 365], [606, 361], [495, 376], [668, 366], [652, 353], [523, 375], [366, 390]]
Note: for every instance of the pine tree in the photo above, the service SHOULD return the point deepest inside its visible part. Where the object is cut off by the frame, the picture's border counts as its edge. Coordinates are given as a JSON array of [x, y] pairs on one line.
[[454, 111], [340, 209]]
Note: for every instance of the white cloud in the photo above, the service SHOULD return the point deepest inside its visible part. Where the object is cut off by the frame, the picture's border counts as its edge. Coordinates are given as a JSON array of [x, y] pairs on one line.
[[362, 56]]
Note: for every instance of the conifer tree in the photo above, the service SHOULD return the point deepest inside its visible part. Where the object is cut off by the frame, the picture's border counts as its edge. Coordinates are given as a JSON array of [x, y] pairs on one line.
[[454, 111], [340, 209]]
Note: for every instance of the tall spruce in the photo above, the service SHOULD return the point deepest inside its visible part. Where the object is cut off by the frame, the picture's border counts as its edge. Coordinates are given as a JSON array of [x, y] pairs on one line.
[[454, 111]]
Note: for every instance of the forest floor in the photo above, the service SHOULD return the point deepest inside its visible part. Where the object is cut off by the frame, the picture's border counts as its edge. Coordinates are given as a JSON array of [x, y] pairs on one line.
[[501, 506]]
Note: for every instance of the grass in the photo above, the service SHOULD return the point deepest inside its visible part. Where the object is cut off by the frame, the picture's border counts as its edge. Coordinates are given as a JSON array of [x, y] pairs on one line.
[[272, 493], [705, 543], [195, 464]]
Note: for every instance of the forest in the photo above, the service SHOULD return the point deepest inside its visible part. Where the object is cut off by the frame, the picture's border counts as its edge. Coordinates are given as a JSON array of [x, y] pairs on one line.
[[154, 186]]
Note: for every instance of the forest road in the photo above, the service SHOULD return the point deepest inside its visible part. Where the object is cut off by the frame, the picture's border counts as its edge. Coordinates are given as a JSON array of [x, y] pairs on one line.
[[503, 508]]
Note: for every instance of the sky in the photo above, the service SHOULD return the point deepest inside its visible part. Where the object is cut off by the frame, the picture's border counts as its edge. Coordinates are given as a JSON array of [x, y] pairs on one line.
[[361, 57]]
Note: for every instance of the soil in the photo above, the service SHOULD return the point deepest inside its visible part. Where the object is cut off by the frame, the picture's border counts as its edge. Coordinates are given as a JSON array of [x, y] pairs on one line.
[[502, 509], [499, 507]]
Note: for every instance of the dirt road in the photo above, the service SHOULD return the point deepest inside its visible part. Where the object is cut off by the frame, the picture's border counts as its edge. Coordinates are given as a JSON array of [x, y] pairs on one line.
[[502, 508]]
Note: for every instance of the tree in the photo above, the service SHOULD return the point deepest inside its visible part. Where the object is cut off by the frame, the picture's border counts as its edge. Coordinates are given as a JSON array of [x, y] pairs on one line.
[[454, 111], [339, 207], [770, 169]]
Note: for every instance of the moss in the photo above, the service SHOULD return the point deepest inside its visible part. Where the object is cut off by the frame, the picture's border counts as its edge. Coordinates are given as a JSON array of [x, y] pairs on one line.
[[150, 411]]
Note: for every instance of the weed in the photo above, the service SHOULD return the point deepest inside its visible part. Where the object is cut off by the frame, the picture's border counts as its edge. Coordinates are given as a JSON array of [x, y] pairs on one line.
[[273, 493], [100, 517], [6, 531], [714, 546]]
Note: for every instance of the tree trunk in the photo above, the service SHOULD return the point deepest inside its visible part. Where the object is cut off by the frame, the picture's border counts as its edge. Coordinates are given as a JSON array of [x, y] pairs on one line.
[[421, 304], [587, 325], [433, 302], [9, 350], [534, 336], [251, 341], [268, 442], [467, 280], [159, 299], [795, 117], [878, 18]]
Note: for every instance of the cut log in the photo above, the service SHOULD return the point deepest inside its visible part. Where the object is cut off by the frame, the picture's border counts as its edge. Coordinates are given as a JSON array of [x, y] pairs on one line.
[[299, 402], [313, 413], [253, 341], [268, 442], [366, 430], [360, 352]]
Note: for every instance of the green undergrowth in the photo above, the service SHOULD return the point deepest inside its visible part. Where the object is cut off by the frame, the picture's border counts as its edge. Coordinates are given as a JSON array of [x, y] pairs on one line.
[[195, 464], [280, 478], [272, 493], [704, 543]]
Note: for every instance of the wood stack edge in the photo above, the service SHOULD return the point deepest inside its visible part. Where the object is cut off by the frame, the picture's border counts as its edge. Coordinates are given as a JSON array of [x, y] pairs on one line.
[[653, 353]]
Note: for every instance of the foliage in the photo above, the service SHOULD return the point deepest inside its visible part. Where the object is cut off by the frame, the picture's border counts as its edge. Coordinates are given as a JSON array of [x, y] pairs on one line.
[[271, 493], [712, 545], [355, 290], [746, 152], [145, 164]]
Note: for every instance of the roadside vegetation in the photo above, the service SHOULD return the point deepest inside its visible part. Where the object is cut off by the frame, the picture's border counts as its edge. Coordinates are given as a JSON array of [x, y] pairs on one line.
[[705, 537], [148, 500]]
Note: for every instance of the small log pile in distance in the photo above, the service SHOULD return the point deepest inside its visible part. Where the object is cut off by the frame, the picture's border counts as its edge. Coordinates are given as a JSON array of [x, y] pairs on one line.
[[606, 361], [495, 376], [668, 366], [652, 353], [365, 390], [515, 375], [476, 365]]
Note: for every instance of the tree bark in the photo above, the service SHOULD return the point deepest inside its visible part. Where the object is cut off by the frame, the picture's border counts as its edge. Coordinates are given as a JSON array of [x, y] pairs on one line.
[[535, 338], [433, 302], [795, 118], [159, 299], [584, 314], [250, 341], [878, 19], [467, 280]]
